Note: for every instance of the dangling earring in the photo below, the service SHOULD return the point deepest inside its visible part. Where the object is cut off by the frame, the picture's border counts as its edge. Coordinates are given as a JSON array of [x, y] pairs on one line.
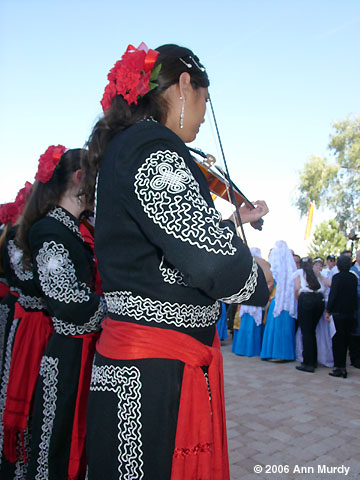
[[79, 195], [182, 112]]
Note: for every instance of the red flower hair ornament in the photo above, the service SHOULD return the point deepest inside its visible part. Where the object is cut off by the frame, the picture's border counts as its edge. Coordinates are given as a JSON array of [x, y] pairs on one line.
[[10, 212], [48, 161], [133, 76]]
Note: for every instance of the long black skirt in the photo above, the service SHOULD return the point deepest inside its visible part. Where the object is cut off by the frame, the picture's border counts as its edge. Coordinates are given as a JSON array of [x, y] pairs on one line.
[[54, 407], [132, 417]]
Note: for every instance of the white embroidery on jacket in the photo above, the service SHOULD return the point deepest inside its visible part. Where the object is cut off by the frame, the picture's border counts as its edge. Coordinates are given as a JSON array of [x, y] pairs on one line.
[[171, 275], [57, 274], [49, 370], [126, 384], [171, 198], [180, 315], [4, 312], [35, 303], [93, 325], [5, 378], [247, 290], [60, 215], [15, 258], [21, 466]]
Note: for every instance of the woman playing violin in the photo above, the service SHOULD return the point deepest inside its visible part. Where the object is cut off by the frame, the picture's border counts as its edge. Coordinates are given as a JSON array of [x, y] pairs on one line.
[[166, 260]]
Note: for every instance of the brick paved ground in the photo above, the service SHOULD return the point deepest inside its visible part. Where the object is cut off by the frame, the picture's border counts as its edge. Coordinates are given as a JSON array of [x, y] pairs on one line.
[[277, 415]]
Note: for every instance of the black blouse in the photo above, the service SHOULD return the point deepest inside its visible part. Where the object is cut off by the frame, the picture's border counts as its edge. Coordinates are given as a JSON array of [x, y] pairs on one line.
[[165, 257], [20, 280], [63, 270]]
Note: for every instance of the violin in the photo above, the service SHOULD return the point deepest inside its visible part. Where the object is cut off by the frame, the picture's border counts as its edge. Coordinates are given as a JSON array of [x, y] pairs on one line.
[[219, 185]]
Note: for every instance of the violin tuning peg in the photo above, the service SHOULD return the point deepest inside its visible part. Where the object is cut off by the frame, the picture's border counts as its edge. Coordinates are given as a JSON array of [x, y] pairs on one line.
[[210, 160]]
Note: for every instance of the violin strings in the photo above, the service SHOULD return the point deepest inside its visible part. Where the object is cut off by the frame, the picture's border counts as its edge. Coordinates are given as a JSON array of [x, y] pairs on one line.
[[218, 155], [232, 194]]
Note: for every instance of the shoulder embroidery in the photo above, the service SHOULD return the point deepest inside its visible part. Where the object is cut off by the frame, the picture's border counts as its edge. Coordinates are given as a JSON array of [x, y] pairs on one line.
[[57, 274], [170, 197], [60, 215], [247, 290], [15, 257], [180, 315], [126, 384]]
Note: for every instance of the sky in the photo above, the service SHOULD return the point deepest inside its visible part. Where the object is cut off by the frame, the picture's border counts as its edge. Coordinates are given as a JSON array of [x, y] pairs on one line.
[[281, 72]]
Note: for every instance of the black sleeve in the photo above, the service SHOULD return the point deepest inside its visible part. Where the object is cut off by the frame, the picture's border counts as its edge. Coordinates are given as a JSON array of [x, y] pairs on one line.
[[168, 200], [333, 293], [61, 267]]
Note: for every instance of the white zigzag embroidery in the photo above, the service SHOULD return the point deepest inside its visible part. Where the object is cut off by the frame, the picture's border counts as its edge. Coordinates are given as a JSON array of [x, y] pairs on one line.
[[125, 383], [49, 370], [4, 312], [57, 274], [15, 257], [93, 325], [180, 315], [5, 379], [170, 197], [247, 290], [60, 215], [171, 275], [35, 303]]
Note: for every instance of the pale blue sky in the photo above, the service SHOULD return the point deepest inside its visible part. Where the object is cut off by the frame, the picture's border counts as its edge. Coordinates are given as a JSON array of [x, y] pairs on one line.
[[281, 72]]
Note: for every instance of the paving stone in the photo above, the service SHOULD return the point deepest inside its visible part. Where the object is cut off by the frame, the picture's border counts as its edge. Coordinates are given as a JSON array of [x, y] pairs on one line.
[[279, 416]]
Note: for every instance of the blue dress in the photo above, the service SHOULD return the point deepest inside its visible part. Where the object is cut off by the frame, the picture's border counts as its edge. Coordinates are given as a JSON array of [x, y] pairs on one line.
[[279, 336], [247, 339], [222, 324]]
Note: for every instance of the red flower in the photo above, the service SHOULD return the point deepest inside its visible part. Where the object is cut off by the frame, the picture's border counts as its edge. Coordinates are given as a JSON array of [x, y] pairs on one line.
[[8, 213], [130, 76], [48, 161], [109, 94], [22, 197]]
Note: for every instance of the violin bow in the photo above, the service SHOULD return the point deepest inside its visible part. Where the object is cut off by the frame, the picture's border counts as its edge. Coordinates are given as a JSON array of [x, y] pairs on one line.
[[227, 176]]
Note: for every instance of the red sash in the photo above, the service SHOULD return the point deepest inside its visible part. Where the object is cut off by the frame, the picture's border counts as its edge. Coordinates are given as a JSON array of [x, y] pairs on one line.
[[4, 290], [31, 339], [200, 443]]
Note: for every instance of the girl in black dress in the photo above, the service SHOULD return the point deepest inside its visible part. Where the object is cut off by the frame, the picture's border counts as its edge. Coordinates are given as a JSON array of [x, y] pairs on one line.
[[166, 260], [64, 272]]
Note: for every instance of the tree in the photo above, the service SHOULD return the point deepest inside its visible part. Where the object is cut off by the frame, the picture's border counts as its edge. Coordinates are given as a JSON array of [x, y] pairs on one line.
[[335, 185], [327, 240]]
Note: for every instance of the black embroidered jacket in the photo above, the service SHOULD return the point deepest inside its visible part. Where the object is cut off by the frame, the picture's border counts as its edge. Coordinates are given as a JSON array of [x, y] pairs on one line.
[[63, 270], [165, 257], [20, 280]]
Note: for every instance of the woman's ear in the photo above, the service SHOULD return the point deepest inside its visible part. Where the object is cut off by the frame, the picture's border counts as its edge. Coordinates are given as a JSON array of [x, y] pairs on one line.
[[77, 177], [184, 84]]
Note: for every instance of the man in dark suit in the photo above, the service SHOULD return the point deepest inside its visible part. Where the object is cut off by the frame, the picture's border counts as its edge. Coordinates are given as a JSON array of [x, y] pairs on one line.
[[342, 305]]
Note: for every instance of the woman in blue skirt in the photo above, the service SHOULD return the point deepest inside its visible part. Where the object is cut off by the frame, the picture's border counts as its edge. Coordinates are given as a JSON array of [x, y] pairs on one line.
[[279, 334]]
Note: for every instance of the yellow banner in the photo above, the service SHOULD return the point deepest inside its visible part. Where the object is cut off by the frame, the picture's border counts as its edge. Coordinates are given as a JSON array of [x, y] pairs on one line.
[[309, 221]]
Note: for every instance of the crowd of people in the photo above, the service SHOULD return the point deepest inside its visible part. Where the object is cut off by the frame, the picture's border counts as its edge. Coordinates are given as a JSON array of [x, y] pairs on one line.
[[114, 269], [313, 314]]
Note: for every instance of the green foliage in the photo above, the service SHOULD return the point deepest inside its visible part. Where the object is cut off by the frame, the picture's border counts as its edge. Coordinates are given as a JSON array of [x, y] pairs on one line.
[[335, 185], [327, 240]]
